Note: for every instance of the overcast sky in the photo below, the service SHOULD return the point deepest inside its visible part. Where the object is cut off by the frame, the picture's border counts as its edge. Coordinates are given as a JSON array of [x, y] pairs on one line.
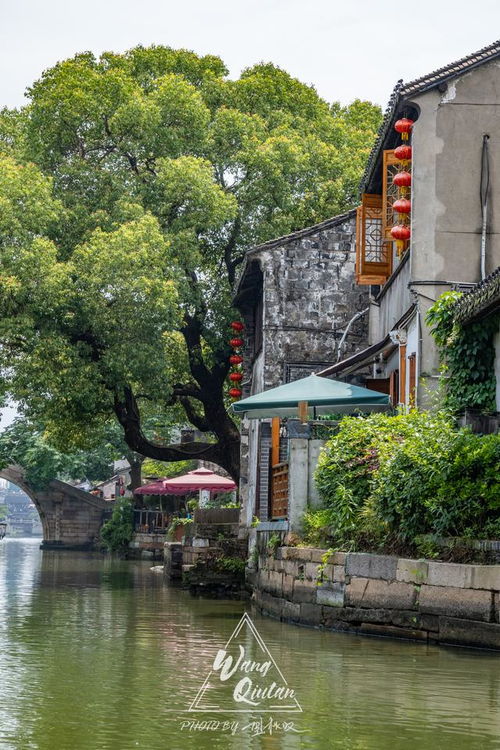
[[346, 49]]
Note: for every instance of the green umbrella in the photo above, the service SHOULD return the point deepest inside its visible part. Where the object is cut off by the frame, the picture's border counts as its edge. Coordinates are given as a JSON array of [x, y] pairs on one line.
[[317, 395]]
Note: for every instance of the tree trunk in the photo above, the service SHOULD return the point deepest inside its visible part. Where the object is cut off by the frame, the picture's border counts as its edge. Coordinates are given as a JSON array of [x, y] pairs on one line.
[[135, 462], [225, 452]]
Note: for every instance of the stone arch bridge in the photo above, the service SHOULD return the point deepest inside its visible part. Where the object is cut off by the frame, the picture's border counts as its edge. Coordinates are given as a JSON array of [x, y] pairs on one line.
[[71, 518]]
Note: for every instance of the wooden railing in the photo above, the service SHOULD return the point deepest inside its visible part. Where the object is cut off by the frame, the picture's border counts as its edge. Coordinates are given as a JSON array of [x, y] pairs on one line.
[[279, 490]]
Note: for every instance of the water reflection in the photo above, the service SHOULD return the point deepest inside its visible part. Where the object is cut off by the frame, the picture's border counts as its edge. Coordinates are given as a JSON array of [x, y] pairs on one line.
[[101, 655]]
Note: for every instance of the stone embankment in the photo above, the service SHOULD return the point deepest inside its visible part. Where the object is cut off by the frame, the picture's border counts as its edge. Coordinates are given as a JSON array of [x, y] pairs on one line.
[[432, 602]]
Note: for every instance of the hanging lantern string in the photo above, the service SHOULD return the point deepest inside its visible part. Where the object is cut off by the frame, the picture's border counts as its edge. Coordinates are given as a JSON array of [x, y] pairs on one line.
[[402, 206], [235, 375]]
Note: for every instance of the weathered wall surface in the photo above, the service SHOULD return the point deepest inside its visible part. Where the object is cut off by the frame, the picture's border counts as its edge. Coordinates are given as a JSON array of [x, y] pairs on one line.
[[70, 517], [309, 297], [394, 301], [380, 595], [446, 212]]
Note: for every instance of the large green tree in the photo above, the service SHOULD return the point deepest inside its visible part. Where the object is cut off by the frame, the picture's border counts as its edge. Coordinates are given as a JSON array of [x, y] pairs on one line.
[[130, 188]]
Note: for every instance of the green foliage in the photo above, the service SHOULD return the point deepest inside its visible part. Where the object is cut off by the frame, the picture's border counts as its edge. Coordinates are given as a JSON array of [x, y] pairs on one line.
[[4, 512], [176, 522], [441, 481], [130, 188], [402, 476], [117, 533], [27, 445], [231, 564], [317, 525], [427, 547], [162, 469], [467, 356], [348, 461], [273, 543], [222, 500], [322, 566]]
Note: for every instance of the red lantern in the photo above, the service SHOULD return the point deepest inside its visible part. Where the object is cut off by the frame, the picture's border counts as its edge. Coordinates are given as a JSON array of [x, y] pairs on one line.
[[235, 377], [403, 153], [402, 206], [402, 179], [401, 233], [404, 127], [237, 326], [235, 392], [235, 359], [236, 343]]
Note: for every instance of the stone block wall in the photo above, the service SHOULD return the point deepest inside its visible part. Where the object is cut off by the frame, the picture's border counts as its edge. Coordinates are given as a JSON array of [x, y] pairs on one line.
[[310, 295], [381, 595], [304, 285]]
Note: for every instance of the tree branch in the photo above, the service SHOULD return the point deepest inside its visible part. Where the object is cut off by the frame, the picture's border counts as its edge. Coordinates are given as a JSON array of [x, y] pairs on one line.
[[128, 415], [199, 421]]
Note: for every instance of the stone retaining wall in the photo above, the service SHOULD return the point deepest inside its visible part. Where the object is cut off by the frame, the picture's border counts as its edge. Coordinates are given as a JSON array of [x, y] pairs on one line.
[[379, 595]]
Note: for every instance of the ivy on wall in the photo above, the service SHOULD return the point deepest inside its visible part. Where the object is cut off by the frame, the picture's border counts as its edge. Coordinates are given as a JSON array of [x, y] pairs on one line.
[[467, 356]]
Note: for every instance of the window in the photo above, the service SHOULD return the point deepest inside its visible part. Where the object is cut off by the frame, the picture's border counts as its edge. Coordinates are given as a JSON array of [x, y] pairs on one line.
[[391, 166], [372, 253]]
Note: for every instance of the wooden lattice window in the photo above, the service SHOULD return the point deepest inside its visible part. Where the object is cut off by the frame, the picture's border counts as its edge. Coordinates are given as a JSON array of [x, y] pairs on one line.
[[391, 166], [372, 256]]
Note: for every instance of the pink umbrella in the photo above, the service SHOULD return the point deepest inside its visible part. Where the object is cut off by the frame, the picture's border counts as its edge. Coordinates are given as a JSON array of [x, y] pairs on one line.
[[154, 488], [199, 479]]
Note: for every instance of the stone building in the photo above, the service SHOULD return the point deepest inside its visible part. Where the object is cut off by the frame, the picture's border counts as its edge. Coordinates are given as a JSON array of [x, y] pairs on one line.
[[454, 219], [302, 310]]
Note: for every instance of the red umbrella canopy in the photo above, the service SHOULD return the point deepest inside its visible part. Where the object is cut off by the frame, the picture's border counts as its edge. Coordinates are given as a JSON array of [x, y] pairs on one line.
[[154, 488], [199, 479]]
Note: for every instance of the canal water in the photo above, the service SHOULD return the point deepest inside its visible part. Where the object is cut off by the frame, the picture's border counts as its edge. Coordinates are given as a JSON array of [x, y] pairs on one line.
[[100, 654]]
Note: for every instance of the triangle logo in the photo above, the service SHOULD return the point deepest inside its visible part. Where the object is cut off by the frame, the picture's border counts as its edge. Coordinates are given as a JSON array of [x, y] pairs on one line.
[[245, 678]]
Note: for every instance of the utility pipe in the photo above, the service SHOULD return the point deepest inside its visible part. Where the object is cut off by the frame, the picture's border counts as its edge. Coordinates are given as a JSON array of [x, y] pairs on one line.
[[484, 187]]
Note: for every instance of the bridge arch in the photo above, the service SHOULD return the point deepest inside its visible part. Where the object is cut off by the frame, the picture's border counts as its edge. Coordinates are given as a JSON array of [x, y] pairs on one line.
[[71, 518], [15, 475]]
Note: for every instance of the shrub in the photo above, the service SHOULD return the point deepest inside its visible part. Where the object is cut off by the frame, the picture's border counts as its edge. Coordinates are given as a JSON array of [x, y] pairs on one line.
[[398, 477], [349, 461], [117, 532], [318, 526], [447, 483], [175, 522]]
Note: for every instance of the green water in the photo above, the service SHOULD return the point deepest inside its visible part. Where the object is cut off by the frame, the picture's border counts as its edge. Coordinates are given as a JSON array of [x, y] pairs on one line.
[[102, 655]]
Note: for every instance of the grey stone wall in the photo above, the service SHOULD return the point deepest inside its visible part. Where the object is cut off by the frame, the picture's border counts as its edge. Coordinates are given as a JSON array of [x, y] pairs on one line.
[[310, 295], [379, 595], [71, 518]]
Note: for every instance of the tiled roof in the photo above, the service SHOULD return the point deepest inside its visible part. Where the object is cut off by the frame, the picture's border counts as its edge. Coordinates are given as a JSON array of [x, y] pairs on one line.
[[314, 229], [419, 85], [453, 69], [480, 301]]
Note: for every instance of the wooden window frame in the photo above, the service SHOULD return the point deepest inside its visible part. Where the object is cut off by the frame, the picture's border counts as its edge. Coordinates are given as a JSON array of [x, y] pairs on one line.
[[389, 195], [368, 271], [394, 387]]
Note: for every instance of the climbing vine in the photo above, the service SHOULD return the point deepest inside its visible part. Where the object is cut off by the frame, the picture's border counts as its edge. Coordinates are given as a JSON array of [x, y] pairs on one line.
[[467, 356]]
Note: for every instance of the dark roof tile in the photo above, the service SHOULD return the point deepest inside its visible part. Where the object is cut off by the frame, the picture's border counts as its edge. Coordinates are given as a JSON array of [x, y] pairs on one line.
[[403, 91]]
